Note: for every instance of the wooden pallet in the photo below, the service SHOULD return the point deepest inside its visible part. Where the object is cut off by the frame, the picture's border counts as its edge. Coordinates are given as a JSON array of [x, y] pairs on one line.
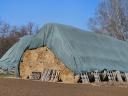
[[84, 78], [96, 76], [35, 76], [50, 75]]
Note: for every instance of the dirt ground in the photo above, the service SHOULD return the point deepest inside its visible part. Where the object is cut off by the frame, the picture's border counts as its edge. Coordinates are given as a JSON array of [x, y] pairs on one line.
[[17, 87]]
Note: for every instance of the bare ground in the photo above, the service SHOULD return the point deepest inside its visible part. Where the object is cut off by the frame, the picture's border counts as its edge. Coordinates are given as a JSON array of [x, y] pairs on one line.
[[17, 87]]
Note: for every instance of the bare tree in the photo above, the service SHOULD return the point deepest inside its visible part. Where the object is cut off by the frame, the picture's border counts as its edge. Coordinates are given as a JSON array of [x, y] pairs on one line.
[[30, 27], [4, 29], [111, 18], [23, 30]]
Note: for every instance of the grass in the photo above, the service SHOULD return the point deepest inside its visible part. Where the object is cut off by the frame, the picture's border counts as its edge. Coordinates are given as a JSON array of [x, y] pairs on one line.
[[6, 75]]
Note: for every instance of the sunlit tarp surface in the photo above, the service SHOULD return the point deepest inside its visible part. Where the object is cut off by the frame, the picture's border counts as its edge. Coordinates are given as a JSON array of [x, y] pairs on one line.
[[77, 49]]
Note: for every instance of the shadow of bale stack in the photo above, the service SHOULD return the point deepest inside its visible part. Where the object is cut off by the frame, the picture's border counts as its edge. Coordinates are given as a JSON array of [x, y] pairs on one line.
[[37, 60]]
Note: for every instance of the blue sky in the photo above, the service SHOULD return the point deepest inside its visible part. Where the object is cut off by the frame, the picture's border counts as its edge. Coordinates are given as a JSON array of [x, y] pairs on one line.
[[70, 12]]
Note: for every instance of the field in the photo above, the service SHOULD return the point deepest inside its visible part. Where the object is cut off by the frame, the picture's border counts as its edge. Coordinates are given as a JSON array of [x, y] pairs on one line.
[[17, 87]]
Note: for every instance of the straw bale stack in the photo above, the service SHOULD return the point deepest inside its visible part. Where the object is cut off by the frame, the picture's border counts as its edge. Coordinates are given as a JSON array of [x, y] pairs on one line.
[[37, 60]]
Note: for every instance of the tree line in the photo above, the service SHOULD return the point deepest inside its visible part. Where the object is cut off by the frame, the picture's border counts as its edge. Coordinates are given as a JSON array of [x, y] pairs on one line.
[[9, 35]]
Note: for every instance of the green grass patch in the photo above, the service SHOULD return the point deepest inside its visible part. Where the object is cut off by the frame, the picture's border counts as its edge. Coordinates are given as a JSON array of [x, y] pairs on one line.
[[6, 75]]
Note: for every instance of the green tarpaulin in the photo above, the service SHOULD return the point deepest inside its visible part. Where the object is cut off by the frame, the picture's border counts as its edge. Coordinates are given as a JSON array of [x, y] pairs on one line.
[[77, 49]]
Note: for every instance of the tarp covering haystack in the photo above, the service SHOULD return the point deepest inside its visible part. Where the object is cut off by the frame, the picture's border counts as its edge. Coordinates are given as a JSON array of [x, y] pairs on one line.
[[76, 49]]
